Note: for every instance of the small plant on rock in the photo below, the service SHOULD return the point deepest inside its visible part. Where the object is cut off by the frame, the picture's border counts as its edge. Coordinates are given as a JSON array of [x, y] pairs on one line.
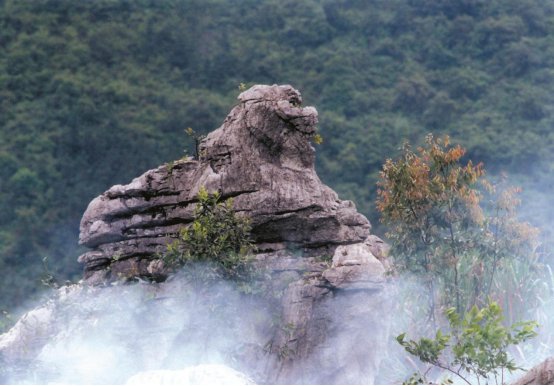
[[218, 240], [197, 138]]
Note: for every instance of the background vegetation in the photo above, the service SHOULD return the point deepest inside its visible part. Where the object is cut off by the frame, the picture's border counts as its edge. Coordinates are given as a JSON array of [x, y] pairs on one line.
[[93, 93]]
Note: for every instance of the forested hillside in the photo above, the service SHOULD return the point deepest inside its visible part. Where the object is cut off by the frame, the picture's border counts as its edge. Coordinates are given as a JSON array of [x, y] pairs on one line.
[[93, 93]]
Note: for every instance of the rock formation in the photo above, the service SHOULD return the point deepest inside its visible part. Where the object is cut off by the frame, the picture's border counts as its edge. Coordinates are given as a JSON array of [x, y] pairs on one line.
[[262, 157], [541, 374], [315, 249]]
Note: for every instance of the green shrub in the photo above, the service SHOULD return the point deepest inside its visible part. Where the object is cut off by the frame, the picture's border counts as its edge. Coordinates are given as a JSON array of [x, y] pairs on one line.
[[476, 348], [217, 243]]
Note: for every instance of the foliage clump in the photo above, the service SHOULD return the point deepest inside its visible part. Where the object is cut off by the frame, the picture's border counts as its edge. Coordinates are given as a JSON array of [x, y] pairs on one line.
[[460, 235], [440, 230], [474, 350], [218, 239]]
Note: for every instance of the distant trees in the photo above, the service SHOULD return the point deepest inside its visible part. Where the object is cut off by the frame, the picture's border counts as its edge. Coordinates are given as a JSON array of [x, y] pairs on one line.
[[85, 85]]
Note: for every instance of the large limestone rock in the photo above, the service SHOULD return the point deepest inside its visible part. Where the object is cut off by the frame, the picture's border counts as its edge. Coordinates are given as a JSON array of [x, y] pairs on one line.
[[323, 279], [261, 156], [316, 249]]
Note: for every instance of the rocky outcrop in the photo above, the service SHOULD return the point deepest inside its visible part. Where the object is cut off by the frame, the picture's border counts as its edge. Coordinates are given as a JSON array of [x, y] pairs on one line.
[[323, 273], [332, 330], [313, 246], [542, 374], [262, 157]]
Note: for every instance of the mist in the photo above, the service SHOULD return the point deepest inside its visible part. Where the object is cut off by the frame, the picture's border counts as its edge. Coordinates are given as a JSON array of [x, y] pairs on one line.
[[176, 332], [97, 335], [182, 332], [156, 333]]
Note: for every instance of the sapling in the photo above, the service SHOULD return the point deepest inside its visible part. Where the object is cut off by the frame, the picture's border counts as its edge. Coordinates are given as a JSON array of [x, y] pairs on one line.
[[474, 351]]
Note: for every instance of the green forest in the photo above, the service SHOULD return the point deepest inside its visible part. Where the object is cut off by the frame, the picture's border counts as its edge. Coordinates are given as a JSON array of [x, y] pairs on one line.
[[94, 93]]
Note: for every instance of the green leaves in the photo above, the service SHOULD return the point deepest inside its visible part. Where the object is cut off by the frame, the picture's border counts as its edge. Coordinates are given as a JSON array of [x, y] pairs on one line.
[[477, 346], [427, 350], [218, 238], [85, 85], [430, 202]]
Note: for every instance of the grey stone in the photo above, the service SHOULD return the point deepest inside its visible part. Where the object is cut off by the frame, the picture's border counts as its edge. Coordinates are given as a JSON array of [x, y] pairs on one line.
[[323, 271], [261, 156], [542, 374], [355, 267]]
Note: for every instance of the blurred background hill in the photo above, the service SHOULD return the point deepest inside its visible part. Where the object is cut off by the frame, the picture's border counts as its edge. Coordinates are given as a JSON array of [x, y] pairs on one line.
[[93, 93]]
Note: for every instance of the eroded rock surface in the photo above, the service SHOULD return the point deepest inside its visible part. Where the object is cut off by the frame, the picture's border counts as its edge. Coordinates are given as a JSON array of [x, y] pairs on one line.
[[542, 374], [261, 156], [313, 246], [324, 273]]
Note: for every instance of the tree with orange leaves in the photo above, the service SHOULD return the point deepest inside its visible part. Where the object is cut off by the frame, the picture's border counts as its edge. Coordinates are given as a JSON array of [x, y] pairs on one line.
[[431, 201]]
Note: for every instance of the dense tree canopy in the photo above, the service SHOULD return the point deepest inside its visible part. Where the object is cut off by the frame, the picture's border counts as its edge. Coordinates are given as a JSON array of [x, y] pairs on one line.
[[93, 93]]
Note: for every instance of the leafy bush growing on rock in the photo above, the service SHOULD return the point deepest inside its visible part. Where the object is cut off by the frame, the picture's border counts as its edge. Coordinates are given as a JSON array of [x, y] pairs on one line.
[[217, 241]]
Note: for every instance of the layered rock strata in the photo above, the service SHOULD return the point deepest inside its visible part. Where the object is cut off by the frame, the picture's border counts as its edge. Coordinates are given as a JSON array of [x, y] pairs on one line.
[[262, 157], [316, 249], [324, 273]]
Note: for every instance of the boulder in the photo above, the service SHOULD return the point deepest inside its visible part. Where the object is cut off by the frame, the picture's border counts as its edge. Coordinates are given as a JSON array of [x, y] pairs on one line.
[[310, 244], [355, 267], [261, 156], [323, 272]]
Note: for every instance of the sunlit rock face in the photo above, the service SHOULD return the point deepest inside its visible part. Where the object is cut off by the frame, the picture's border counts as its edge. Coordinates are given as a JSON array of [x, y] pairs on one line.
[[321, 319], [262, 157]]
